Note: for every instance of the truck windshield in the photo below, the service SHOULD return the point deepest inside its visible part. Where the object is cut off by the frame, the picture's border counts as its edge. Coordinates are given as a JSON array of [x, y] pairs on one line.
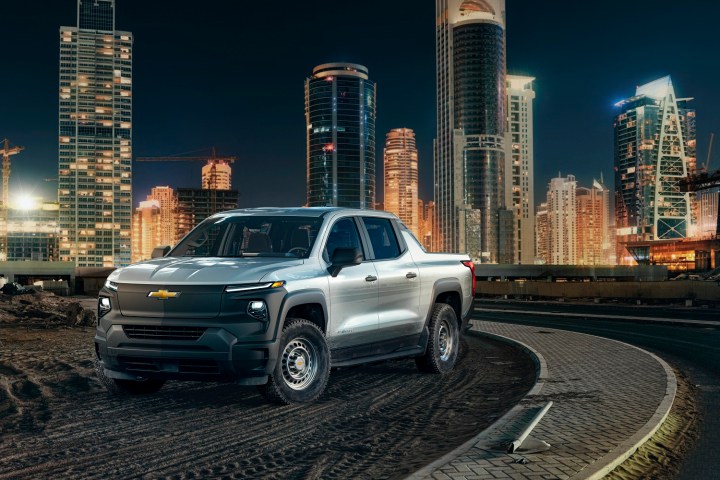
[[250, 236]]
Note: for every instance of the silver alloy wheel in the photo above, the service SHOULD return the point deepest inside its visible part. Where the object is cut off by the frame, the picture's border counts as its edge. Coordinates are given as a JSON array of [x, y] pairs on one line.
[[299, 363], [445, 341]]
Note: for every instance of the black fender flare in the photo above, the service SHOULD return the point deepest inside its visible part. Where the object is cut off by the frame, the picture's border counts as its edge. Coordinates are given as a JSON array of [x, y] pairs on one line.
[[444, 285], [294, 299]]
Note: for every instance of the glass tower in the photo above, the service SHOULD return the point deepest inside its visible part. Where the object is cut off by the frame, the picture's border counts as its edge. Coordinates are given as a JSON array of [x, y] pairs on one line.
[[470, 143], [340, 122], [95, 138], [654, 134]]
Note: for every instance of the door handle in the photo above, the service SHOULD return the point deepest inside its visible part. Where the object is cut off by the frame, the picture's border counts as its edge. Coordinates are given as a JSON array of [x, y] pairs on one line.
[[370, 278], [410, 275]]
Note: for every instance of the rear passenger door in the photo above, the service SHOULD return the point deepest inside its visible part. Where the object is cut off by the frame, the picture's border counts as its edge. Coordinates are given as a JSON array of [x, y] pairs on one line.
[[353, 292], [399, 278]]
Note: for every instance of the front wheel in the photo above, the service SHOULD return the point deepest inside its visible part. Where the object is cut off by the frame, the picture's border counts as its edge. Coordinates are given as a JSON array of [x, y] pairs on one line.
[[444, 342], [126, 387], [302, 369]]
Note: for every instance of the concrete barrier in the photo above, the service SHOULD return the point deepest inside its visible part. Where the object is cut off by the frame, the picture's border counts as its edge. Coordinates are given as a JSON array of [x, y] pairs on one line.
[[667, 290]]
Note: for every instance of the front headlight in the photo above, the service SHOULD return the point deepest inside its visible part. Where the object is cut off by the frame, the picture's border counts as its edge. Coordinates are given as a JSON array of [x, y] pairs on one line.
[[104, 306], [248, 287], [257, 309]]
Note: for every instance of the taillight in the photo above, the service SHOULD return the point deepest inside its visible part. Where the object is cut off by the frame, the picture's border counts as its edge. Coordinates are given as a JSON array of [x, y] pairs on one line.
[[471, 266]]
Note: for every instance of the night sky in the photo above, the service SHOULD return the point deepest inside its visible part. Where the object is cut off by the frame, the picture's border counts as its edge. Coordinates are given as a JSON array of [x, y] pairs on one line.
[[231, 74]]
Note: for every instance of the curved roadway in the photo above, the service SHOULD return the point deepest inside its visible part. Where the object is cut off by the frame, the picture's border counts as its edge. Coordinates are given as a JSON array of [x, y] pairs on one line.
[[692, 348]]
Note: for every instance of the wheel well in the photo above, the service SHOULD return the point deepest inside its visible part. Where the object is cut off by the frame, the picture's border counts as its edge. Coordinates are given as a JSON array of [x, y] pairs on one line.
[[452, 299], [312, 312]]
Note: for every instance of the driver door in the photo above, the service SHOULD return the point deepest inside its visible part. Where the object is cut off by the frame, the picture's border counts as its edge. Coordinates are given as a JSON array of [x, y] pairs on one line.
[[354, 292]]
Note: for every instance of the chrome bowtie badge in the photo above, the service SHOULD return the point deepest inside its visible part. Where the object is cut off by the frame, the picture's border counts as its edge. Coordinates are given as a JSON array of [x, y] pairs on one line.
[[163, 294]]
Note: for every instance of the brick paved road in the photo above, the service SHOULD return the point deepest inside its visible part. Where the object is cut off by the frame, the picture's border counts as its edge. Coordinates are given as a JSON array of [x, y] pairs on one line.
[[607, 396]]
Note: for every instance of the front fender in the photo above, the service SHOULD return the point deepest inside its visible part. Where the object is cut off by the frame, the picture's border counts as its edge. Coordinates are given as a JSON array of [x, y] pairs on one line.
[[300, 297]]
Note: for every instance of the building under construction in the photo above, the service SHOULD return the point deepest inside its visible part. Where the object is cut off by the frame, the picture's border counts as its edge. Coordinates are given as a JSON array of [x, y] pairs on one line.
[[196, 204]]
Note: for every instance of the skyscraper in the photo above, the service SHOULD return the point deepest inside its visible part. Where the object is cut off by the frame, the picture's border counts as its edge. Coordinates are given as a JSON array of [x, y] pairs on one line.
[[542, 236], [401, 177], [340, 122], [95, 138], [654, 149], [216, 175], [562, 221], [470, 144], [592, 224], [146, 228], [519, 166], [168, 218]]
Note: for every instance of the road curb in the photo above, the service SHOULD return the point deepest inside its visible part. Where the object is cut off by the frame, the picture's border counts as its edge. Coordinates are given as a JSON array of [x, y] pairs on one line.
[[540, 379], [612, 460], [593, 471]]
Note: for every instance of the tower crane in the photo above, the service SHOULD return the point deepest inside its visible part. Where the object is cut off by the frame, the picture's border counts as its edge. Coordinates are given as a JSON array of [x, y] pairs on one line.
[[213, 159], [6, 153]]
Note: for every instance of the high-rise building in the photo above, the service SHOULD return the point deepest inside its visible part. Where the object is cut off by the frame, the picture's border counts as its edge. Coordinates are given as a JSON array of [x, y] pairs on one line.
[[340, 122], [401, 177], [562, 221], [146, 227], [519, 160], [654, 149], [166, 198], [95, 138], [542, 236], [470, 144], [593, 225], [216, 175], [426, 219], [708, 202], [195, 205]]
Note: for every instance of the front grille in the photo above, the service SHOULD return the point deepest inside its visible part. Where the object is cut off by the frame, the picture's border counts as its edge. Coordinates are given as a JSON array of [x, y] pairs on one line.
[[179, 365], [151, 332]]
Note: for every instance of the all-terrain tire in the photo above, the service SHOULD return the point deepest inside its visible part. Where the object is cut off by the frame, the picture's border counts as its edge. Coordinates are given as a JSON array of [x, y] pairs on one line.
[[303, 365], [126, 387], [443, 343]]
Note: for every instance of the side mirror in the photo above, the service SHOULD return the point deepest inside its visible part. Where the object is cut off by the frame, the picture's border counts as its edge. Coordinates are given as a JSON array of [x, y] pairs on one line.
[[344, 257], [160, 251]]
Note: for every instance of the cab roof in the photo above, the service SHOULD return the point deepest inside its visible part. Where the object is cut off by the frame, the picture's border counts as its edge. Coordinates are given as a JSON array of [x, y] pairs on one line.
[[302, 212]]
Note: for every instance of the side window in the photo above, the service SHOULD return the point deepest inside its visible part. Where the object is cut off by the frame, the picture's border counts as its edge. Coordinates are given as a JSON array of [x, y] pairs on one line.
[[382, 237], [343, 234]]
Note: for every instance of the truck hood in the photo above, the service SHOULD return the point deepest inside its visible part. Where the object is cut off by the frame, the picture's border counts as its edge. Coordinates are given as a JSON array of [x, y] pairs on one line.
[[201, 271]]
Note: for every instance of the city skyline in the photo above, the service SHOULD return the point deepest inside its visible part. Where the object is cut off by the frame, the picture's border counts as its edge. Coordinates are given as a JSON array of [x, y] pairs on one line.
[[220, 109]]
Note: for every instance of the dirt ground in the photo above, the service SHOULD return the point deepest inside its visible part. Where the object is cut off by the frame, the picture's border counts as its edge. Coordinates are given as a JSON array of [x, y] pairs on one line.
[[660, 457], [380, 421]]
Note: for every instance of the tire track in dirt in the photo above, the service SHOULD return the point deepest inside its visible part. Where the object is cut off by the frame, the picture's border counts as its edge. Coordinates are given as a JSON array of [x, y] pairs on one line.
[[379, 421]]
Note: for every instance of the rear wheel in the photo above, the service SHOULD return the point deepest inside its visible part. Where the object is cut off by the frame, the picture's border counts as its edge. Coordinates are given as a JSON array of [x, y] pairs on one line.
[[444, 342], [126, 387], [303, 365]]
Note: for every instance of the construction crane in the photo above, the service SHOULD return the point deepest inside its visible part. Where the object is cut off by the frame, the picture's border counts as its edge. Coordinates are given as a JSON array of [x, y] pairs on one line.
[[212, 160], [6, 153]]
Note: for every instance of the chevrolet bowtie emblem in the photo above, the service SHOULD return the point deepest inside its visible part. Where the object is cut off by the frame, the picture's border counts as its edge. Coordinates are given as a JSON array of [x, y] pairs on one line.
[[163, 294]]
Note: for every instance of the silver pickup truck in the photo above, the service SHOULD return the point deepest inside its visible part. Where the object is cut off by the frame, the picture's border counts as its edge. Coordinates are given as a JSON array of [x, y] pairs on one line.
[[276, 297]]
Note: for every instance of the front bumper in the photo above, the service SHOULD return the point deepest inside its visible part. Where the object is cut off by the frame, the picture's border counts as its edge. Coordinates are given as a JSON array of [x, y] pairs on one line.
[[230, 347], [215, 356]]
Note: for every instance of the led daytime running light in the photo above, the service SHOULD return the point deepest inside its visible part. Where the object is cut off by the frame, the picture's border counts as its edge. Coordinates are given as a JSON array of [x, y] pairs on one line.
[[247, 287]]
